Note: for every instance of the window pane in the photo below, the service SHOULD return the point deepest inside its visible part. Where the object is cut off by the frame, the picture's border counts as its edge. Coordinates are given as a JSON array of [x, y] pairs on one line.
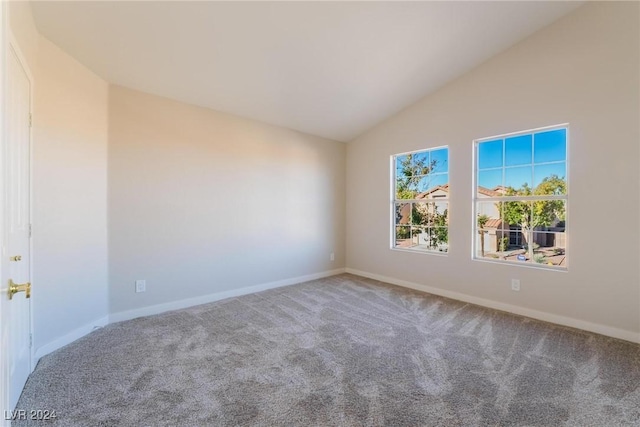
[[549, 248], [402, 193], [517, 255], [420, 161], [489, 229], [440, 160], [492, 243], [421, 237], [403, 237], [439, 239], [549, 214], [560, 216], [490, 154], [553, 175], [488, 214], [409, 170], [400, 161], [517, 238], [488, 182], [431, 214], [406, 187], [484, 247], [428, 185], [430, 239], [519, 179], [440, 179], [425, 187], [517, 214], [550, 146], [518, 150], [403, 213], [440, 212], [421, 214], [514, 240]]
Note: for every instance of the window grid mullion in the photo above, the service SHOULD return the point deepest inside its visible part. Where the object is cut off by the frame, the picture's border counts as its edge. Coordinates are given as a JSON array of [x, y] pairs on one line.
[[434, 246], [538, 248]]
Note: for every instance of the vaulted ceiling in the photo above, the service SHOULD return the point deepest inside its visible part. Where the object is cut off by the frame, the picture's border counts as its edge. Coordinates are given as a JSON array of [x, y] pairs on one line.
[[332, 69]]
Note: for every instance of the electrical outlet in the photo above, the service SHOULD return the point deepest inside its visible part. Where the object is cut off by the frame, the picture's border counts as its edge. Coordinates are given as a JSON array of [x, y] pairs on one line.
[[515, 284], [141, 285], [332, 256]]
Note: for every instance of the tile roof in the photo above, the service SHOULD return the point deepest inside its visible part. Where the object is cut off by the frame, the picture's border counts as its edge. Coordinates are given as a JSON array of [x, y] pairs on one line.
[[424, 194], [496, 192], [493, 223]]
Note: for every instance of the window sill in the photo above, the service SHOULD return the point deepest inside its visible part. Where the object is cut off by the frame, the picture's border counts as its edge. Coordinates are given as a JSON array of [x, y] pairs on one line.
[[421, 251], [535, 266]]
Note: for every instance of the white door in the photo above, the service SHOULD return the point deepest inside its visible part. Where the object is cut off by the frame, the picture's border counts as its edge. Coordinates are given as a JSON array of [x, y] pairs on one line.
[[16, 251]]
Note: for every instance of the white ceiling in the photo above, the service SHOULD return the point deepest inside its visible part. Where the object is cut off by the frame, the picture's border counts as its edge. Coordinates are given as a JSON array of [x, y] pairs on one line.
[[332, 69]]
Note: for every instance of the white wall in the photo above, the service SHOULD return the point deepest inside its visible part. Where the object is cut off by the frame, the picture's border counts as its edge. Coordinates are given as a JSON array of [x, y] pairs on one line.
[[70, 195], [202, 202], [24, 30], [583, 69], [69, 181]]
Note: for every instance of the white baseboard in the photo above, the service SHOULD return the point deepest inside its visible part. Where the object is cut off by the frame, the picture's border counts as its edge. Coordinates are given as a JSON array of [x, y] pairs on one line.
[[189, 302], [68, 338], [174, 305], [535, 314]]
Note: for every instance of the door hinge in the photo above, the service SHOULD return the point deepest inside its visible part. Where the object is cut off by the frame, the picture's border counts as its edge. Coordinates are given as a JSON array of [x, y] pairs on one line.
[[30, 340], [30, 120], [29, 230]]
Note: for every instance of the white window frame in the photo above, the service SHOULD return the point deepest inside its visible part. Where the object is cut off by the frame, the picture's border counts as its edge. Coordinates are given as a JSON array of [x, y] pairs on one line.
[[476, 199], [392, 213]]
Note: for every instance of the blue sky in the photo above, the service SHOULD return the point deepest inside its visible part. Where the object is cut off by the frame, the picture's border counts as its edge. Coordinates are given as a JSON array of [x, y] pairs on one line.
[[523, 159], [511, 161]]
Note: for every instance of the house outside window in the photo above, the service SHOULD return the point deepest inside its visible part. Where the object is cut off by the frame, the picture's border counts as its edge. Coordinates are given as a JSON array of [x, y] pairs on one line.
[[520, 197], [420, 201]]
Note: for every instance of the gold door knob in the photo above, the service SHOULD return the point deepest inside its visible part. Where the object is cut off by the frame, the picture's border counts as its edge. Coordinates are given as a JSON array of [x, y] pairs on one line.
[[16, 258], [15, 288]]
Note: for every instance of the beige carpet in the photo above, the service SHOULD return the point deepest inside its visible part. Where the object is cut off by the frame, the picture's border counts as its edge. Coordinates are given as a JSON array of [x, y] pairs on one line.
[[341, 351]]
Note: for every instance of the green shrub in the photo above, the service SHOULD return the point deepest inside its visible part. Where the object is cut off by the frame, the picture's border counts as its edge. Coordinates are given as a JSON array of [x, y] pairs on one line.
[[504, 244]]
